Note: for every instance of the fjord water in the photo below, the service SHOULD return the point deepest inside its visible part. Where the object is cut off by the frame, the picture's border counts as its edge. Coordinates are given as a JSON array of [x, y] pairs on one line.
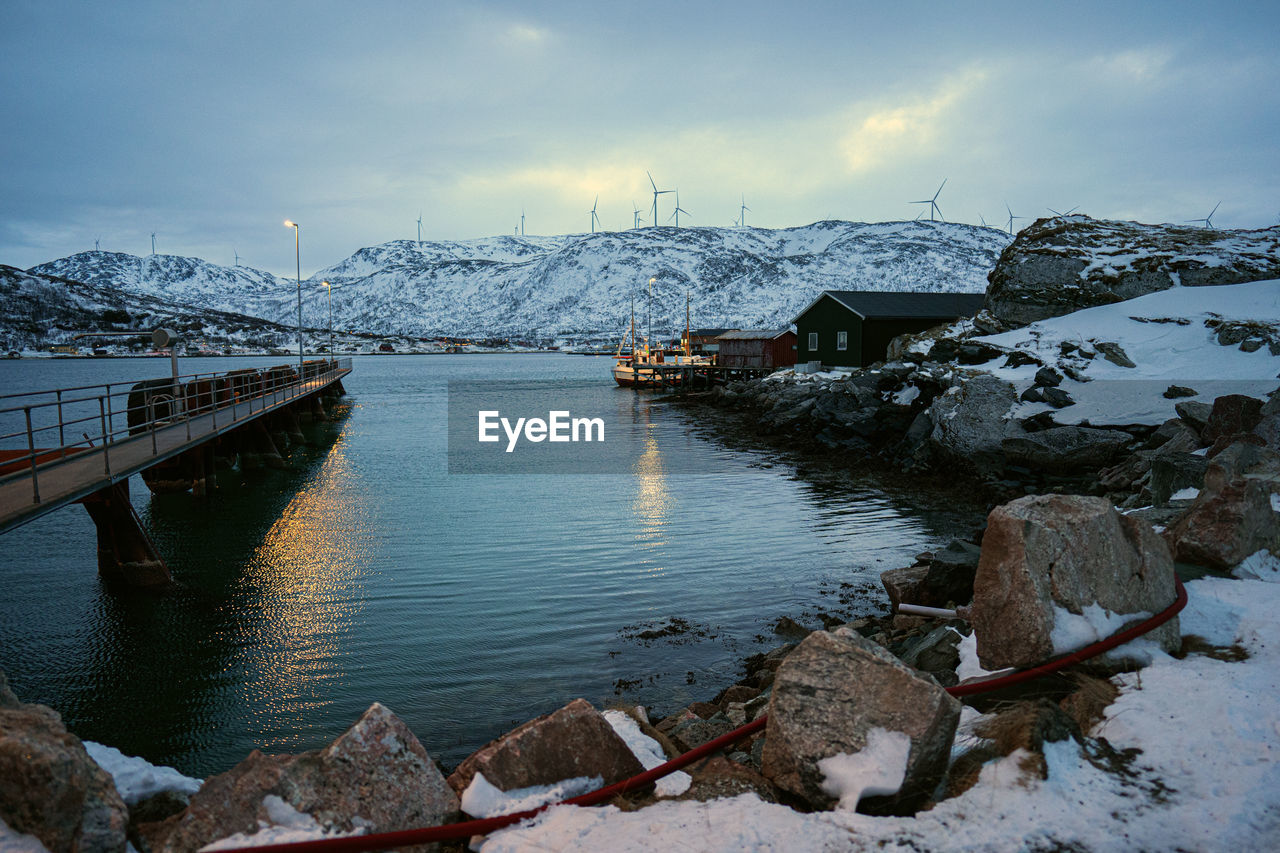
[[465, 603]]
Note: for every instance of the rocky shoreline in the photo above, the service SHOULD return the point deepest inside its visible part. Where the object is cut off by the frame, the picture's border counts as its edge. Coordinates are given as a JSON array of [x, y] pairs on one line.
[[1091, 528]]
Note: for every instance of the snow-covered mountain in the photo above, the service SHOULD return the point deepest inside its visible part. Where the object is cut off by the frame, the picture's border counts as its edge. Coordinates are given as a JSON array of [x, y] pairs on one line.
[[577, 285], [39, 310]]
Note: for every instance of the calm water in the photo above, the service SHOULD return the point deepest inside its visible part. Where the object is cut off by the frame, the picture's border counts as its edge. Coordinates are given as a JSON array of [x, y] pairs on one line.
[[465, 603]]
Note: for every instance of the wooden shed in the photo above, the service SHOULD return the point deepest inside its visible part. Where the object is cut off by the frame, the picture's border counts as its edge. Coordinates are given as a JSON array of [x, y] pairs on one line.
[[852, 328], [767, 348], [701, 341]]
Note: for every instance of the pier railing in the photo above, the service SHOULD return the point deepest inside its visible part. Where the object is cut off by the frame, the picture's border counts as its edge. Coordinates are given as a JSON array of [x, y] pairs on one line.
[[41, 430]]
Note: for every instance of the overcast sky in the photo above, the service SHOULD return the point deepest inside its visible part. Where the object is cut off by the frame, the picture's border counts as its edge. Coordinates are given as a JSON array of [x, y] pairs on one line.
[[211, 123]]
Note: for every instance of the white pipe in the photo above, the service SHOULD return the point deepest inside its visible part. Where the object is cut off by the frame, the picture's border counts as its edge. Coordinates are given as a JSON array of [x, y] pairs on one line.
[[940, 612]]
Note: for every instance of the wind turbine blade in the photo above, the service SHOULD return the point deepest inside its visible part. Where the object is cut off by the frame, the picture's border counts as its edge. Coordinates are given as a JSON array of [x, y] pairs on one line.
[[1215, 210], [651, 183], [940, 186]]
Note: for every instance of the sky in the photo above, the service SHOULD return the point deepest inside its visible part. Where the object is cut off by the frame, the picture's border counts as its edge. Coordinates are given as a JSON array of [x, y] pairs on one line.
[[209, 124]]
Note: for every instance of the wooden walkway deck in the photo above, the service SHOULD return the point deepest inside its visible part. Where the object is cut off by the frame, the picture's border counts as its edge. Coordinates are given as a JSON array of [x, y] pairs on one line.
[[27, 494]]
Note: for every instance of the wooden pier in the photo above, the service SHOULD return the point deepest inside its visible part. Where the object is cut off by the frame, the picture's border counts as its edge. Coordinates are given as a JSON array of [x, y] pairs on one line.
[[701, 377], [167, 430]]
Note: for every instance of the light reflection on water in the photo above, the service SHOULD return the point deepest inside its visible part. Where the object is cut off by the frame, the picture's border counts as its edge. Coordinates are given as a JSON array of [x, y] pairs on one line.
[[466, 603]]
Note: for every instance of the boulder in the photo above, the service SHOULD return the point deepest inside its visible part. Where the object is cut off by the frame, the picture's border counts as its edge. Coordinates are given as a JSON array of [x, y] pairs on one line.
[[1056, 397], [1173, 472], [1195, 413], [1047, 377], [1114, 353], [565, 744], [951, 571], [1053, 267], [376, 775], [830, 694], [970, 424], [49, 786], [907, 585], [1045, 552], [691, 734], [1173, 392], [1064, 449], [1231, 518], [1231, 415]]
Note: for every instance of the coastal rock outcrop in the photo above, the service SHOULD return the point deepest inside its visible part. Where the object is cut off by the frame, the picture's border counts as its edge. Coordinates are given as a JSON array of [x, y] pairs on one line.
[[569, 743], [49, 786], [1046, 559], [1233, 515], [1062, 264], [970, 423], [830, 693], [376, 776]]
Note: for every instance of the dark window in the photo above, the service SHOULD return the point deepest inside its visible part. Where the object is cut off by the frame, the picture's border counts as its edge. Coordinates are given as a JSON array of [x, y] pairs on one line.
[[842, 340], [813, 341]]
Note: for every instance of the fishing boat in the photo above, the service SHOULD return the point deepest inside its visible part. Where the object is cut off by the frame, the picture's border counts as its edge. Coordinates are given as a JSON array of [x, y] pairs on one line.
[[638, 365]]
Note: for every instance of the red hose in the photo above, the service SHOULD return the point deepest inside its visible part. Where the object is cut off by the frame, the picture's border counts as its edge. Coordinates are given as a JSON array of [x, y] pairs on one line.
[[466, 829]]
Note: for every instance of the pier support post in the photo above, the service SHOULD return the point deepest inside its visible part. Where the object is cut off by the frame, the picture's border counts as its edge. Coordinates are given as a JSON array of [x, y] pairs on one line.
[[126, 554]]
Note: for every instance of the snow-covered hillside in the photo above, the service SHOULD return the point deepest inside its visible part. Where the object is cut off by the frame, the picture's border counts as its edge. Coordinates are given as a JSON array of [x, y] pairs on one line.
[[578, 285]]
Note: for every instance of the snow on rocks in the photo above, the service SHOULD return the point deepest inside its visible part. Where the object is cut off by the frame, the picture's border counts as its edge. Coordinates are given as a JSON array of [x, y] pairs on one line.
[[648, 752], [483, 799], [830, 693], [573, 742], [136, 778], [1063, 264], [375, 777], [1042, 552], [877, 771], [1190, 763]]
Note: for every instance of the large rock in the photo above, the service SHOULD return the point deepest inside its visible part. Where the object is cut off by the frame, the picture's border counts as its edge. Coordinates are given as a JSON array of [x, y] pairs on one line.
[[970, 424], [49, 786], [834, 689], [1173, 472], [1231, 415], [1056, 266], [571, 742], [1063, 449], [1044, 552], [376, 775], [1231, 518]]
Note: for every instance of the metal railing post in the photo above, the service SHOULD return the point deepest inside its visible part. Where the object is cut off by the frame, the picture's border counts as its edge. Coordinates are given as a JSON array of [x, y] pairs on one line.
[[62, 440], [31, 448], [111, 426], [106, 454], [151, 419]]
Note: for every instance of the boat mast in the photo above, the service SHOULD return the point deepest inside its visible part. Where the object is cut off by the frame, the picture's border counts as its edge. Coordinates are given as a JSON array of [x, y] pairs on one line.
[[648, 333], [633, 327], [688, 343]]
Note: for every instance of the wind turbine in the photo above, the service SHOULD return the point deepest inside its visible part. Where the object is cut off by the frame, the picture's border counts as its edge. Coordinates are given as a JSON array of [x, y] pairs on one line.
[[153, 242], [679, 210], [1208, 220], [521, 221], [933, 203], [742, 215], [95, 244], [1068, 213], [656, 192], [635, 216], [1011, 216], [237, 254], [983, 219], [594, 218], [419, 227]]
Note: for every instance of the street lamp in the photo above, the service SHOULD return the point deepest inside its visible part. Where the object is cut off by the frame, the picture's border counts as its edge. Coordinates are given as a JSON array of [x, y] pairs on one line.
[[329, 290], [297, 256]]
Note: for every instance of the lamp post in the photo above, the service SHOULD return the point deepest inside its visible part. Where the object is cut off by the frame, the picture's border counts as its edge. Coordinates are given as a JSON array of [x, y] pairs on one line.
[[297, 256], [329, 291]]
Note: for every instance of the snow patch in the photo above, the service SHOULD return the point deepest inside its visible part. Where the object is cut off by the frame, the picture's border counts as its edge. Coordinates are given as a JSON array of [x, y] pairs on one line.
[[284, 825], [136, 778], [648, 752], [878, 769], [1190, 493], [1073, 631], [484, 799], [1259, 566]]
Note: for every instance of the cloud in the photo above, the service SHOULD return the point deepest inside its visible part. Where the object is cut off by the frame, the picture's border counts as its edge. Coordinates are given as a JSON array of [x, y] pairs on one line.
[[916, 125], [527, 34]]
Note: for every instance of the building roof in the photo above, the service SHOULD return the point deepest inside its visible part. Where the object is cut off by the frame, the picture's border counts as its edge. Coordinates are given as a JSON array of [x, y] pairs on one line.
[[707, 333], [753, 335], [893, 304]]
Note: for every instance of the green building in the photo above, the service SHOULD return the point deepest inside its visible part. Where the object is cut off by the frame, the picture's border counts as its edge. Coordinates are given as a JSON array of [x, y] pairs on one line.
[[852, 328]]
